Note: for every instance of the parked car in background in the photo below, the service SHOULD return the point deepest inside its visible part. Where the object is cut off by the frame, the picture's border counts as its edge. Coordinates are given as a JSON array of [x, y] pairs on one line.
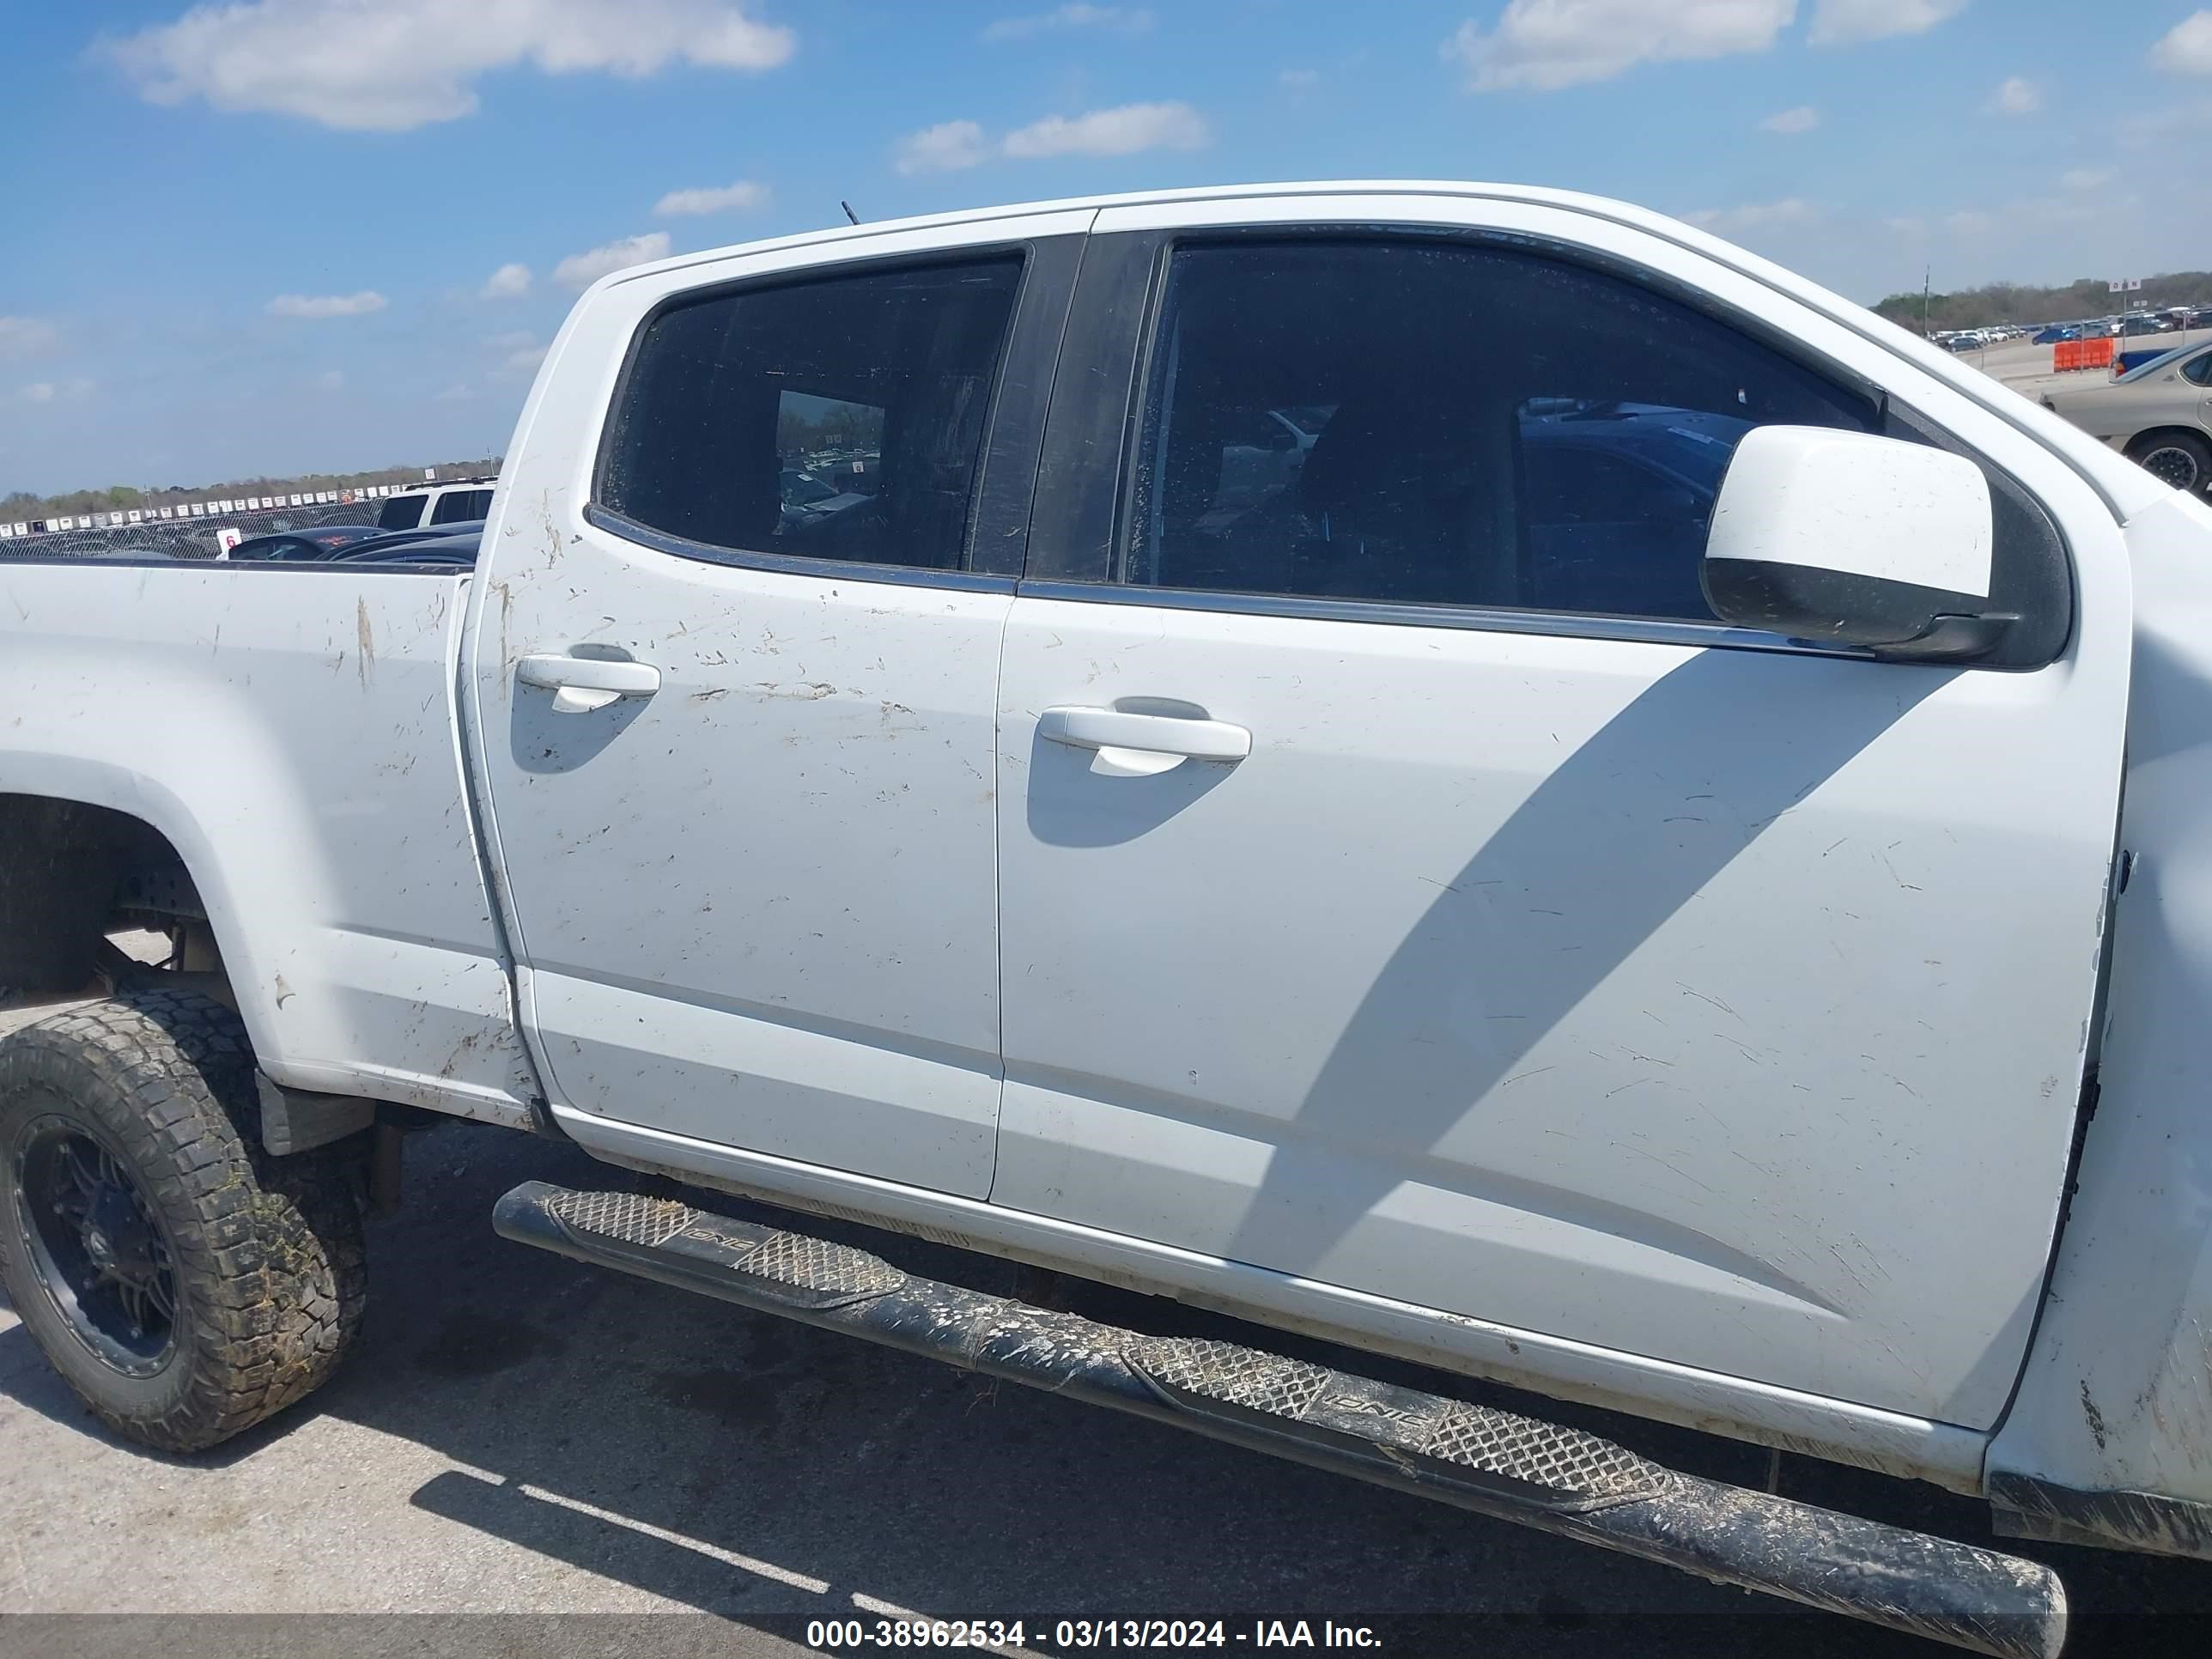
[[454, 550], [319, 542], [2159, 414], [2058, 333], [458, 502]]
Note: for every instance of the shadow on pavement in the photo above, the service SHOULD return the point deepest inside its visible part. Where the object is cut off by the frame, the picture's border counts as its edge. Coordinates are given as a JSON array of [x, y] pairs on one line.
[[761, 1471]]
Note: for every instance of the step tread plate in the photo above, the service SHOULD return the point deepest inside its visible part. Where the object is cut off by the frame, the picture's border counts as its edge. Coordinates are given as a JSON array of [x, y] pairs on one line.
[[795, 1260], [1570, 1462]]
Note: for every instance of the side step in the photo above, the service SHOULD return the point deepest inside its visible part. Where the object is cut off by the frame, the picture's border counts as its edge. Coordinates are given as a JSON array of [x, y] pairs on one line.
[[1497, 1463]]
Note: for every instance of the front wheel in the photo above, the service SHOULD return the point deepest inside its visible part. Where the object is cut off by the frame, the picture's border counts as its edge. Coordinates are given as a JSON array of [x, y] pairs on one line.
[[183, 1282], [2180, 458]]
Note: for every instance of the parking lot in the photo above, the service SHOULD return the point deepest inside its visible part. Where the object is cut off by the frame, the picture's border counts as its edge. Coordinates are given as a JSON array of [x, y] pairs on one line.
[[2025, 366], [520, 1436]]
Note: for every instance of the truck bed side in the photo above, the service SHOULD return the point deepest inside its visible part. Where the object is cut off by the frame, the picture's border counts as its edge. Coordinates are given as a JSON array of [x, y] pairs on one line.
[[291, 732]]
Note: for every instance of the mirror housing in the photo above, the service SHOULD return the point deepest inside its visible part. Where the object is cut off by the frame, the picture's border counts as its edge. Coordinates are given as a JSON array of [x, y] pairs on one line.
[[1851, 539]]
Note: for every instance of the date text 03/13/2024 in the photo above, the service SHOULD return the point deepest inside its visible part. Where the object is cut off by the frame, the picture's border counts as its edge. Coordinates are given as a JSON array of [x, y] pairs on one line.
[[1083, 1634]]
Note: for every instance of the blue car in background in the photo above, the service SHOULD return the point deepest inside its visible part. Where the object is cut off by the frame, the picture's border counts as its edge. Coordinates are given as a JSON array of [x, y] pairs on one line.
[[2059, 331], [1617, 498]]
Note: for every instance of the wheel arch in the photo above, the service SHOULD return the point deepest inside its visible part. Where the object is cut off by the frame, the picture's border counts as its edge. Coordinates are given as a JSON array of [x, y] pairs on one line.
[[2150, 435], [84, 842]]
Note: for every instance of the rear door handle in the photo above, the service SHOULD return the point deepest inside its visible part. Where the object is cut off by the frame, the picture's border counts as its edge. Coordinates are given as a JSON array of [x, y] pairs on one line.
[[580, 684], [1116, 733]]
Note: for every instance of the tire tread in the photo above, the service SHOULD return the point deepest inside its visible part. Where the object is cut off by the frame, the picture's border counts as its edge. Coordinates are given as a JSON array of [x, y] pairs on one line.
[[269, 1254]]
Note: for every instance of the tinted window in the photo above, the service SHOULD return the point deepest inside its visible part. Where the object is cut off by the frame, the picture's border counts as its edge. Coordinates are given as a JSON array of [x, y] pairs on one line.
[[2199, 368], [837, 419], [401, 513], [1424, 422], [461, 506]]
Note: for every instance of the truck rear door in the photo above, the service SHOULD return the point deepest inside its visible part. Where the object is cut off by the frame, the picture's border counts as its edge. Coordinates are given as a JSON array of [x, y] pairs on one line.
[[736, 667]]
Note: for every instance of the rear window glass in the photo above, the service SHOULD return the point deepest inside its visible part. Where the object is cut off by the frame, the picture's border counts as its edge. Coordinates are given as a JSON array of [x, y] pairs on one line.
[[461, 506], [841, 418]]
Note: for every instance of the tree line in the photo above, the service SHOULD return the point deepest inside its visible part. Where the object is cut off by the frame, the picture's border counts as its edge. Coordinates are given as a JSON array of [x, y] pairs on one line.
[[2014, 303], [121, 498]]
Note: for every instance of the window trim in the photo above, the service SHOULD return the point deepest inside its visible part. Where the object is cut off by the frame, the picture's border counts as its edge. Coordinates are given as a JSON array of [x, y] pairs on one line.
[[1014, 420], [1080, 517], [682, 547], [1395, 613]]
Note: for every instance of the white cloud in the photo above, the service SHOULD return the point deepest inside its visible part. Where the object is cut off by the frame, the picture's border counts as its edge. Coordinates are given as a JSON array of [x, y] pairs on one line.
[[1970, 222], [2186, 48], [1754, 215], [945, 147], [2015, 95], [454, 394], [1121, 132], [1132, 21], [1299, 80], [2164, 126], [1803, 119], [2085, 177], [1840, 22], [582, 270], [331, 379], [326, 305], [28, 337], [400, 63], [1545, 45], [519, 354], [1908, 225], [509, 281], [743, 194], [951, 145], [50, 391]]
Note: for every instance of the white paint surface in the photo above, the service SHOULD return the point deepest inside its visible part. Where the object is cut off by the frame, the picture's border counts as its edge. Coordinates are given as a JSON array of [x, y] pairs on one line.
[[1858, 505], [290, 730], [2118, 1393], [757, 906]]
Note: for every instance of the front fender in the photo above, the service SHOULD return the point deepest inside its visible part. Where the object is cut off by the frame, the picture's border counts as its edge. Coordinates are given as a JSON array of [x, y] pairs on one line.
[[2109, 1439]]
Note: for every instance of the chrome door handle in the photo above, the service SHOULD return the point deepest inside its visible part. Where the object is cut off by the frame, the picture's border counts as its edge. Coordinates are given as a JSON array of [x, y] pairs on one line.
[[580, 684], [1171, 735]]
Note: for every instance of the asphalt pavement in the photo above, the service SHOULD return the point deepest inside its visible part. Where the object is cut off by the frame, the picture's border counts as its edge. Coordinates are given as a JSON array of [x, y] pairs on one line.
[[2025, 366], [519, 1440]]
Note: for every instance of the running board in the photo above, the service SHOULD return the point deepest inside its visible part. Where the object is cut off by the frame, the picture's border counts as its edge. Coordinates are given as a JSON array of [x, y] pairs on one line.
[[1497, 1463]]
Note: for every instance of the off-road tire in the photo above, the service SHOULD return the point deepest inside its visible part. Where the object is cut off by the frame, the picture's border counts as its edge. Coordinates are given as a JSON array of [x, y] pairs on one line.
[[266, 1254]]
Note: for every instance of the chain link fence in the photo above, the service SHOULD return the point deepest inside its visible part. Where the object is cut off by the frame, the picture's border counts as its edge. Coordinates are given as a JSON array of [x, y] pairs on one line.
[[183, 538]]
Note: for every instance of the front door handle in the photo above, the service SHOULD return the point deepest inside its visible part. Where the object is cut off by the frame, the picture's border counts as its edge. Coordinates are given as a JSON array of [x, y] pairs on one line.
[[1119, 736], [580, 684]]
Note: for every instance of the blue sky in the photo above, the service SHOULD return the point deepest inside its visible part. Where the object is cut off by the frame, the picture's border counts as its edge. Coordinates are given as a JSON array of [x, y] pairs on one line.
[[290, 235]]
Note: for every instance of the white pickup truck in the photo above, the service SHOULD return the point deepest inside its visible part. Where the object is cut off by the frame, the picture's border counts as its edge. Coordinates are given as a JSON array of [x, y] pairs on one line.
[[1467, 770]]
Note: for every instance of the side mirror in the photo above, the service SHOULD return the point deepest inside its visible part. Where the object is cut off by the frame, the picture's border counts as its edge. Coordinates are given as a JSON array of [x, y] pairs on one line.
[[1822, 534]]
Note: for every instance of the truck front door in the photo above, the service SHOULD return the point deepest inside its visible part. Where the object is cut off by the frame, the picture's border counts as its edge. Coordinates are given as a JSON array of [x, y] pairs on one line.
[[1408, 886]]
